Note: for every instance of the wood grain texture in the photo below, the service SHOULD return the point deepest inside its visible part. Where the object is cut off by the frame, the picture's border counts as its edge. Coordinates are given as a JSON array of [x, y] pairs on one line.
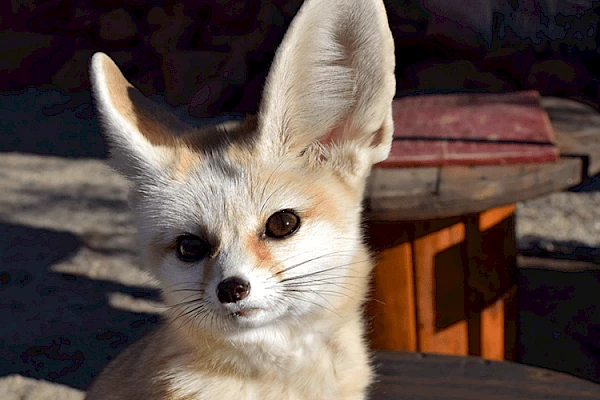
[[392, 304], [438, 259], [446, 286], [416, 376], [491, 276], [577, 127], [387, 185], [391, 307], [464, 190], [396, 194], [471, 129]]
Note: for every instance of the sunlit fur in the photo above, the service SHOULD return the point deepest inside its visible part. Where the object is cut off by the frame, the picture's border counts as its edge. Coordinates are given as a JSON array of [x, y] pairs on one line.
[[324, 120]]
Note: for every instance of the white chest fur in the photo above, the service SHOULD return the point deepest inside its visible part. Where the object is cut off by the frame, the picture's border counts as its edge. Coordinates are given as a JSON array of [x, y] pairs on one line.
[[300, 366]]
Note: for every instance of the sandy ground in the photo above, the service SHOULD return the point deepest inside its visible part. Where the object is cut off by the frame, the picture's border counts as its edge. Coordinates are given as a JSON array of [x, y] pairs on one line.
[[73, 295]]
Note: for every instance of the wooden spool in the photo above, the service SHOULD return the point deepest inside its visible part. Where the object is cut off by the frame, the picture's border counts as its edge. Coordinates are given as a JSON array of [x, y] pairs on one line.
[[446, 286], [445, 281]]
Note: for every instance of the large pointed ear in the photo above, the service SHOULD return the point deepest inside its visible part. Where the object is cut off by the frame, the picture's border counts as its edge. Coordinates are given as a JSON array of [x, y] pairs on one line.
[[332, 80], [141, 135]]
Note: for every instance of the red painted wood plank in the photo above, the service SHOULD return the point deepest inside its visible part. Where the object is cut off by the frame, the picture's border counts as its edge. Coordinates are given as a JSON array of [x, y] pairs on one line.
[[471, 129]]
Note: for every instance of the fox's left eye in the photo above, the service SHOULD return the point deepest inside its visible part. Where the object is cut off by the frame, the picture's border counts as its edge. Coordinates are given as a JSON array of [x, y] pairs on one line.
[[191, 248], [281, 224]]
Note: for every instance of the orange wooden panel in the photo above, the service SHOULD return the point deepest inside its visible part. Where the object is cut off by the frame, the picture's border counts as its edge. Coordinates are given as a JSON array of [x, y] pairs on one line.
[[498, 329], [492, 331], [446, 286], [491, 278], [492, 217], [452, 339], [392, 308]]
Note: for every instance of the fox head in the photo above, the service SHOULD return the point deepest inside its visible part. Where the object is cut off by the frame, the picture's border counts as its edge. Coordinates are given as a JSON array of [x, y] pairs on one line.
[[251, 223]]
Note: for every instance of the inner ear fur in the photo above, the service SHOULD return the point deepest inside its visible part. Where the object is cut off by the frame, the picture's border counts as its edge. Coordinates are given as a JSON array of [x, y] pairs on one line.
[[157, 125], [129, 117]]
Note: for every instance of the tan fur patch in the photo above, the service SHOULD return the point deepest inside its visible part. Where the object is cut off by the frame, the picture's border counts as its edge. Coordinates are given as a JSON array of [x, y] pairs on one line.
[[326, 203], [185, 160], [238, 135], [260, 249], [140, 112]]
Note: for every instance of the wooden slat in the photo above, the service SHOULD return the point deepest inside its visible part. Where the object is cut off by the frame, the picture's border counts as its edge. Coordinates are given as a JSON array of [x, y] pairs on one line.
[[493, 331], [471, 129], [425, 193], [491, 218], [453, 337], [577, 127], [498, 333], [501, 185], [387, 185], [415, 376], [469, 190], [392, 304], [392, 308]]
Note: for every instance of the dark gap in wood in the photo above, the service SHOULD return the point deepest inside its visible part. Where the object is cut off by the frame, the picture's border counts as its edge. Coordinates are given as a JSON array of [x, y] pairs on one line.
[[474, 302], [412, 235], [472, 140]]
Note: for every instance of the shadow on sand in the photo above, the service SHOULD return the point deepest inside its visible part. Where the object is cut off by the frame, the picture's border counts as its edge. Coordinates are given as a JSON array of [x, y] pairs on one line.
[[59, 327], [559, 309]]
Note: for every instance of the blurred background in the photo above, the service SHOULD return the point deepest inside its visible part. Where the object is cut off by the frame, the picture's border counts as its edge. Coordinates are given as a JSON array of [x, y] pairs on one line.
[[205, 58], [211, 57]]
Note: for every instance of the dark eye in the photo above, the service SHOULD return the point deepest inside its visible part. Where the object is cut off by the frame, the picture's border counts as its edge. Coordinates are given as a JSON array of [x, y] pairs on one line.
[[191, 248], [281, 224]]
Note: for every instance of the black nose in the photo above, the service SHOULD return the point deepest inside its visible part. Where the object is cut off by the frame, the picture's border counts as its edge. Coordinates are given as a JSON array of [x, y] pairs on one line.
[[232, 290]]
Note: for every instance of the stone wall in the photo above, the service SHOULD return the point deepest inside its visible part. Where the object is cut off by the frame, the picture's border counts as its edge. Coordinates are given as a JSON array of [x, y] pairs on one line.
[[213, 55]]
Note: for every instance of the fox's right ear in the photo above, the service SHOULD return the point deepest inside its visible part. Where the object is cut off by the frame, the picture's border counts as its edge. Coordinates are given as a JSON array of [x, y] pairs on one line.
[[332, 83], [141, 135]]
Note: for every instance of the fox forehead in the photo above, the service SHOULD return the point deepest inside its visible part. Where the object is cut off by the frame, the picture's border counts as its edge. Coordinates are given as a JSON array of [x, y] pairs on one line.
[[230, 194]]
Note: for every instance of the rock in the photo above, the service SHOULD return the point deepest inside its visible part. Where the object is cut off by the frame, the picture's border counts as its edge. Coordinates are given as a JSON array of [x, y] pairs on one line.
[[222, 87], [464, 21], [186, 72], [17, 387], [149, 82], [167, 28], [141, 67], [231, 10], [83, 18], [46, 17], [206, 100], [73, 76], [28, 58], [454, 76], [117, 25], [552, 76]]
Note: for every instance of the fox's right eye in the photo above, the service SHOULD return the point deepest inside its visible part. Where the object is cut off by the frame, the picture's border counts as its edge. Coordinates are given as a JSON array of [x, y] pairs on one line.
[[191, 248]]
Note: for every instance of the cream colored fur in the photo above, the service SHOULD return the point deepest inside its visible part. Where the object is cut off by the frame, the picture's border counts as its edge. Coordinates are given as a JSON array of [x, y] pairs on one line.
[[325, 119]]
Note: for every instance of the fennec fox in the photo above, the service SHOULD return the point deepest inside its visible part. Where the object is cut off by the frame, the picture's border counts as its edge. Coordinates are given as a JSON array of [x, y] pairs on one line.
[[253, 228]]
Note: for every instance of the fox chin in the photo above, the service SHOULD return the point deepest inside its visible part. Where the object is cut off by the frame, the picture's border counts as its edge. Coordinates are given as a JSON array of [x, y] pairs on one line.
[[252, 228]]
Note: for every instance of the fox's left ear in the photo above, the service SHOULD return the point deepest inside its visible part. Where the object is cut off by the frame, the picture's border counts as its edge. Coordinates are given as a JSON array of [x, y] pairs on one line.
[[142, 136], [332, 81]]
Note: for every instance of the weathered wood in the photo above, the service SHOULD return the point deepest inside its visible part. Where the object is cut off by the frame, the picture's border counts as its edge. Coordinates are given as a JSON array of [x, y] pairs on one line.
[[446, 286], [439, 192], [577, 127], [416, 376], [440, 292], [462, 251], [387, 185], [392, 301], [467, 190], [491, 283], [471, 129]]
